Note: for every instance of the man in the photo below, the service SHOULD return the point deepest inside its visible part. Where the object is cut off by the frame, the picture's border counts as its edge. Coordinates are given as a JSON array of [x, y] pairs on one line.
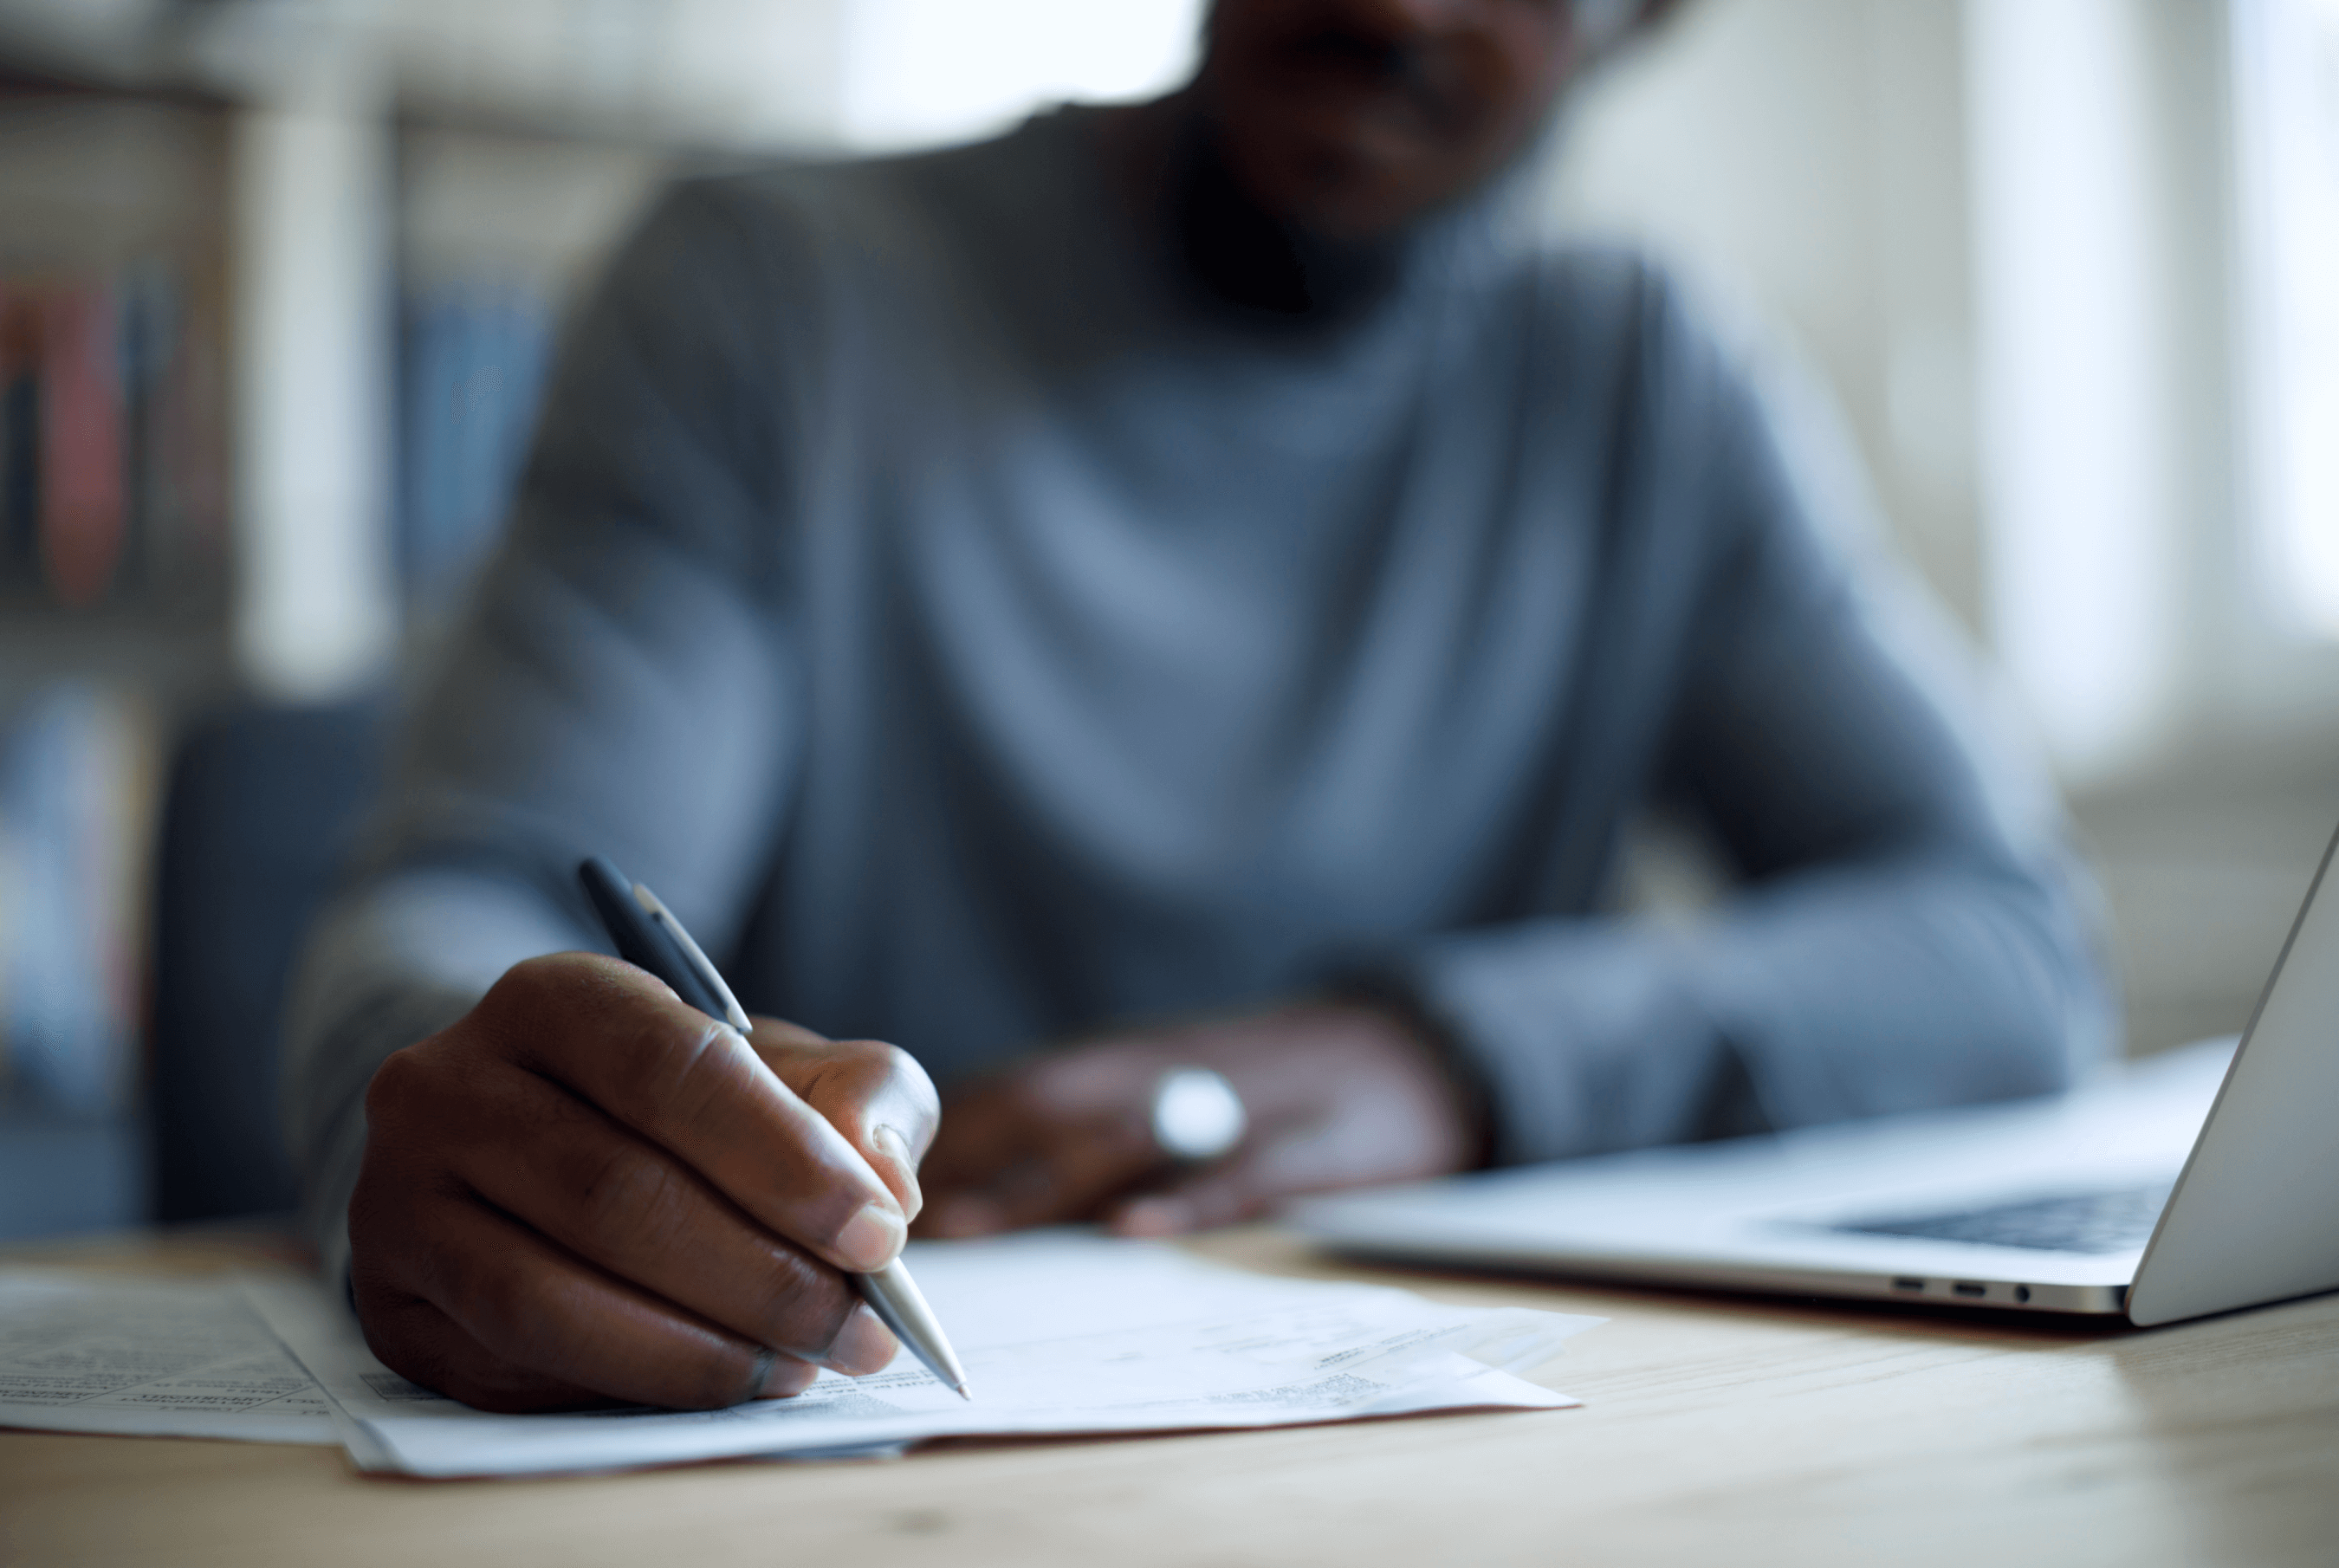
[[1191, 581]]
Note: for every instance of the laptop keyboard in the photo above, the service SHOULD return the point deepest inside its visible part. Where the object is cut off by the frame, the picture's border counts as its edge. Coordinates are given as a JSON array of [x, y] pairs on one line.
[[2111, 1221]]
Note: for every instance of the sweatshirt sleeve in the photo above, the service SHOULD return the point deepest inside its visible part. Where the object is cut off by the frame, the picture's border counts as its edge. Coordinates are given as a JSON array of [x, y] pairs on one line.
[[1907, 929], [617, 686]]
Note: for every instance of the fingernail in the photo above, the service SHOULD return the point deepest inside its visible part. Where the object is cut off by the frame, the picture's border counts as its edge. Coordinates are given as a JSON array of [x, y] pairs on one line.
[[864, 1346], [893, 1146], [870, 1239]]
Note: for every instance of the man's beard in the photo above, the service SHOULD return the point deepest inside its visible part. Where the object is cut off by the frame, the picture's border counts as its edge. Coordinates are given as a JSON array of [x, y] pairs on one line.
[[1247, 257]]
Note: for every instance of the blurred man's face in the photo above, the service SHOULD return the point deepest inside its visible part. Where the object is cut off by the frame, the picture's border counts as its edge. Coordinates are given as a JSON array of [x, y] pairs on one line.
[[1355, 117]]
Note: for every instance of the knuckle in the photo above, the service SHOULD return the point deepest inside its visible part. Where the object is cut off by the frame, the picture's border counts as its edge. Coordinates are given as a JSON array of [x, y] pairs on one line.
[[653, 1069], [539, 998], [806, 1302], [468, 1373], [553, 971], [713, 1382], [907, 1077], [502, 1302], [691, 1069], [399, 1223], [525, 989], [403, 1083], [394, 1080], [634, 1204], [870, 1072]]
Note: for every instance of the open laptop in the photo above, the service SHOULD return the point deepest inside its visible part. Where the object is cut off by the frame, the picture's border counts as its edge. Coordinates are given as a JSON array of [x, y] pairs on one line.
[[2196, 1182]]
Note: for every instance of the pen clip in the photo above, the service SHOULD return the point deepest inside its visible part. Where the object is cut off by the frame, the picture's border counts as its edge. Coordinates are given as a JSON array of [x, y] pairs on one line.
[[701, 966], [647, 943]]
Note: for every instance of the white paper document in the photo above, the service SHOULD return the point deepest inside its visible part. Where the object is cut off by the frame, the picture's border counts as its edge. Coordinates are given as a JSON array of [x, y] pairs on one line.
[[166, 1358], [1059, 1334]]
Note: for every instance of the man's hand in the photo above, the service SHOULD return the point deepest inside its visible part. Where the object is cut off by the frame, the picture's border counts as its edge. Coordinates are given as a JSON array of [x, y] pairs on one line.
[[585, 1191], [1337, 1094]]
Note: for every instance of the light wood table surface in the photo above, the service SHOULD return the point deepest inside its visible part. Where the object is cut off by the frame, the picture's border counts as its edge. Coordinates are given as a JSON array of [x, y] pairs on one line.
[[1717, 1430]]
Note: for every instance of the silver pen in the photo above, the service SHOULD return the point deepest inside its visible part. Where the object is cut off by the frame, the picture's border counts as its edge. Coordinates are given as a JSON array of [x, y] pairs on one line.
[[890, 1292]]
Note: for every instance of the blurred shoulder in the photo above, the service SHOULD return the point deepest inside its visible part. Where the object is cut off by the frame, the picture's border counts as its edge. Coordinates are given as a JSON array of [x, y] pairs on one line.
[[1624, 309]]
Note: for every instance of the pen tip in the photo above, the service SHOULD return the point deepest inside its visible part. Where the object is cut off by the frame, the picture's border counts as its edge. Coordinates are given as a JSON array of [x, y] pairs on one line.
[[962, 1392]]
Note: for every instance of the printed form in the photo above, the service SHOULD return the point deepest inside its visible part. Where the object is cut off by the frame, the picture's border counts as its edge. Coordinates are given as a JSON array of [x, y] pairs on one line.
[[166, 1358], [1061, 1333]]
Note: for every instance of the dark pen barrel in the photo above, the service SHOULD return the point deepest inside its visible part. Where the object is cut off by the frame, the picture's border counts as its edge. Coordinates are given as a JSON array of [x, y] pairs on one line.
[[639, 940]]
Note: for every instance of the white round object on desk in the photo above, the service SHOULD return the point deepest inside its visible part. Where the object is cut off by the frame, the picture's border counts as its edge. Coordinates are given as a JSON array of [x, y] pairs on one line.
[[1197, 1115]]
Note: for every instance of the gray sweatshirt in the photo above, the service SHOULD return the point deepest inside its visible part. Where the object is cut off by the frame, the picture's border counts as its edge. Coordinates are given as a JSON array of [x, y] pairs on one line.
[[980, 636]]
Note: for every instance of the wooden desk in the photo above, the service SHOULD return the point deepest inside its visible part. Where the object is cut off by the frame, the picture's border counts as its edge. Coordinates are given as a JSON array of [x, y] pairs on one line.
[[1718, 1431]]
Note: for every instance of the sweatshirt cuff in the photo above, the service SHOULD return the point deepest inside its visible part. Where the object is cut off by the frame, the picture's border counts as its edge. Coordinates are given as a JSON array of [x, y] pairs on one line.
[[1581, 1036]]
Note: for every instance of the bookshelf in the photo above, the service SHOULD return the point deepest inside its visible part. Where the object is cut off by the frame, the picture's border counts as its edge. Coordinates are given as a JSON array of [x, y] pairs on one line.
[[497, 230], [278, 287], [115, 586], [112, 463]]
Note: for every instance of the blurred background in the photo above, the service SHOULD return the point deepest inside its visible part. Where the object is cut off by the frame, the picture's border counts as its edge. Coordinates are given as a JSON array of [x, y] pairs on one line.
[[279, 279]]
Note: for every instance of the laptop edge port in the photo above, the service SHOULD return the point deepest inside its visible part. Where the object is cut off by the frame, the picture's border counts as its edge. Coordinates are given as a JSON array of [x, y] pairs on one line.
[[1970, 1287], [1906, 1282]]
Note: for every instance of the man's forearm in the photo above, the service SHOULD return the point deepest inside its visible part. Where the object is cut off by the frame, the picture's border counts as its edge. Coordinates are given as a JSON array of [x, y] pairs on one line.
[[1853, 991]]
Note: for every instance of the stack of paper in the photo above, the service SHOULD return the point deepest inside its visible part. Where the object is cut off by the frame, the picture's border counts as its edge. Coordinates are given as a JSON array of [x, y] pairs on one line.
[[1059, 1334]]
